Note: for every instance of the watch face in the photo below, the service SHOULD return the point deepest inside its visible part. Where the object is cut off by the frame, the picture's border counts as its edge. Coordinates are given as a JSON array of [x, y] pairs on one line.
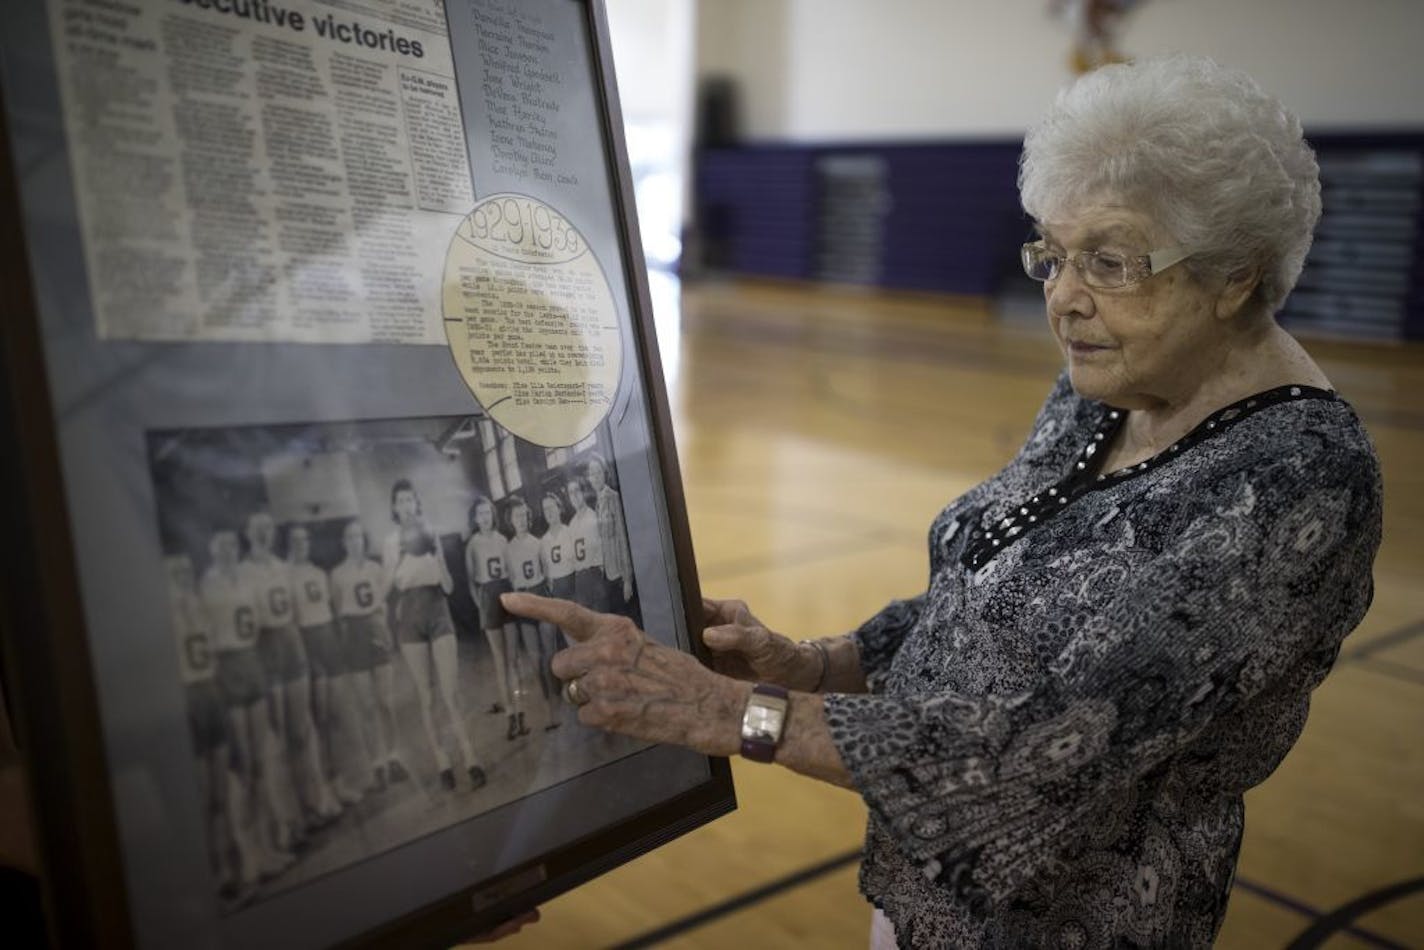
[[760, 719]]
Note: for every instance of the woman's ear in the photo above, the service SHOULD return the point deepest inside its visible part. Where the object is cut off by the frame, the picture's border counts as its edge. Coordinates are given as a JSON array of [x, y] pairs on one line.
[[1236, 292]]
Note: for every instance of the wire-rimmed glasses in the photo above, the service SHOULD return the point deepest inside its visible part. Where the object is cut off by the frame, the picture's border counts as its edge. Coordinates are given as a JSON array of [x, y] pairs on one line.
[[1105, 270]]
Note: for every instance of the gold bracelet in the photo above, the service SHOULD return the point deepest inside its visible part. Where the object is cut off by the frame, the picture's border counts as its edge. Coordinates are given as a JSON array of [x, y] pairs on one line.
[[820, 647]]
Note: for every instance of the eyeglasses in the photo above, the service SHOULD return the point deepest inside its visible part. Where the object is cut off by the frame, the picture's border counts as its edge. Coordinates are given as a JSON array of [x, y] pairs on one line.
[[1101, 269]]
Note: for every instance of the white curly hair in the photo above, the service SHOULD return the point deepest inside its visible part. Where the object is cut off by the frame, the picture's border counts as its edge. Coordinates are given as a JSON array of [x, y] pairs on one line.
[[1199, 148]]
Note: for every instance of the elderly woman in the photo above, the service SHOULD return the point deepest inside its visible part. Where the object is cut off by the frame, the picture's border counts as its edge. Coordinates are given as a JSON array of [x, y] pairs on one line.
[[1122, 627]]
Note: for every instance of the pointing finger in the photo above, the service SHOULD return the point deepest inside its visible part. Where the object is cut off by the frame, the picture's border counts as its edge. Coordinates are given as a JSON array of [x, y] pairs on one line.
[[578, 622]]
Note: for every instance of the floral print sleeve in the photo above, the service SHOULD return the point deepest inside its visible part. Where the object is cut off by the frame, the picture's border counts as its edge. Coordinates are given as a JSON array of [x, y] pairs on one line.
[[1231, 581], [879, 637]]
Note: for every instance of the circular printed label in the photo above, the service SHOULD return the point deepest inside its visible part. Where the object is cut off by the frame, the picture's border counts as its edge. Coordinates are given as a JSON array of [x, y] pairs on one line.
[[531, 320]]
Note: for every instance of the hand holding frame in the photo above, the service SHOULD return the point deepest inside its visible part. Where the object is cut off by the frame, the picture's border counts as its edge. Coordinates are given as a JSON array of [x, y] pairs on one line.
[[635, 686], [745, 649], [643, 689]]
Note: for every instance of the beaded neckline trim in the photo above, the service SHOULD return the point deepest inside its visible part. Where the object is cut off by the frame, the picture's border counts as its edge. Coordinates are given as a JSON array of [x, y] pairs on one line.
[[1084, 476]]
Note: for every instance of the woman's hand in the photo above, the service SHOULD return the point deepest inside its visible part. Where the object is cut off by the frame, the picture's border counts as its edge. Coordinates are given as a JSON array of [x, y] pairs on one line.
[[627, 683], [745, 649], [636, 687]]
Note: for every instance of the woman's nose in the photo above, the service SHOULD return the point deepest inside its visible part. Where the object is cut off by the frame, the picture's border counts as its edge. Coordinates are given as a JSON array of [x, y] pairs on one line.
[[1067, 295]]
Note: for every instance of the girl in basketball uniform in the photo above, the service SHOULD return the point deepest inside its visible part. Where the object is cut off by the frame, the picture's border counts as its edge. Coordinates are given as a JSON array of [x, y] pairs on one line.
[[525, 571], [284, 657], [612, 536], [556, 551], [590, 586], [358, 594], [334, 704], [233, 866], [557, 557], [263, 820], [485, 566], [416, 573]]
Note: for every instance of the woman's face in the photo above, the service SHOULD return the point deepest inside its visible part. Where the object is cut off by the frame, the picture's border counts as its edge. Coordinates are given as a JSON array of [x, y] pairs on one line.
[[224, 547], [484, 516], [1134, 347], [301, 545], [552, 514], [519, 517], [596, 476], [180, 573], [576, 495], [260, 531], [353, 539], [406, 505]]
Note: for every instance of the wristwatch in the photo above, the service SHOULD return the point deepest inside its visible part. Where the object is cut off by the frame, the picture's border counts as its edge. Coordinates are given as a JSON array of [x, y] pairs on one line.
[[763, 722]]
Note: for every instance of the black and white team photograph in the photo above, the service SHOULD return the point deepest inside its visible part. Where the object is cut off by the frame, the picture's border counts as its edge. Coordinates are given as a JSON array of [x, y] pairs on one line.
[[353, 682]]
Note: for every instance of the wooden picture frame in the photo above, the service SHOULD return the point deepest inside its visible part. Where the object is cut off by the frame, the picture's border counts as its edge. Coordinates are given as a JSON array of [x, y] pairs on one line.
[[156, 395]]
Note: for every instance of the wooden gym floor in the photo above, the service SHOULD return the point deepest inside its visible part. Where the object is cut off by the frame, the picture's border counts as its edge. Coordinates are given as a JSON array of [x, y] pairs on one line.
[[820, 430]]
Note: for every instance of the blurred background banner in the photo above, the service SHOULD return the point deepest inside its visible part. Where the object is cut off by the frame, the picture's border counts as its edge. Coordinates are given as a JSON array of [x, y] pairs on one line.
[[877, 144]]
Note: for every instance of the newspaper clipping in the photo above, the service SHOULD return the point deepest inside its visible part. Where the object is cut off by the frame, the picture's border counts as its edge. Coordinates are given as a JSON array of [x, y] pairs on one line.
[[263, 170]]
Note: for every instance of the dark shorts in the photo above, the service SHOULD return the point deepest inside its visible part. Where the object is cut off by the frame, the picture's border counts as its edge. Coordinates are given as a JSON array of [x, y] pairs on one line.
[[241, 680], [492, 612], [365, 642], [422, 615], [617, 603], [324, 649], [540, 589], [562, 587], [282, 654], [591, 589], [207, 719]]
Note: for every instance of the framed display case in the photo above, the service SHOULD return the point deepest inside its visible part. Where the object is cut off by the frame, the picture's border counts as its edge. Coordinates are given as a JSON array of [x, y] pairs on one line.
[[325, 322]]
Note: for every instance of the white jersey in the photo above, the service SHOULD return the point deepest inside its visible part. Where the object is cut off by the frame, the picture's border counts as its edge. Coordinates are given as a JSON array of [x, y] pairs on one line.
[[231, 609], [195, 649], [484, 557], [556, 552], [410, 570], [271, 585], [313, 591], [583, 535], [356, 588], [521, 562]]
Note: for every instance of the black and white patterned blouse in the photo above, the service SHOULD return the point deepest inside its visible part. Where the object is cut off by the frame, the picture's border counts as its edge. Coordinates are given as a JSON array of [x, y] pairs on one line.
[[1060, 729]]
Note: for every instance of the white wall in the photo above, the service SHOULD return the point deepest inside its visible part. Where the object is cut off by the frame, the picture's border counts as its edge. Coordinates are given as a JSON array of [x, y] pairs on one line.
[[818, 70], [653, 55], [749, 40], [652, 49]]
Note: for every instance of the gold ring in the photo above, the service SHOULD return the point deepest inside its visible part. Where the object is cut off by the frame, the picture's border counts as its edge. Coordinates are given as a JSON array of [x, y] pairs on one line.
[[574, 693]]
